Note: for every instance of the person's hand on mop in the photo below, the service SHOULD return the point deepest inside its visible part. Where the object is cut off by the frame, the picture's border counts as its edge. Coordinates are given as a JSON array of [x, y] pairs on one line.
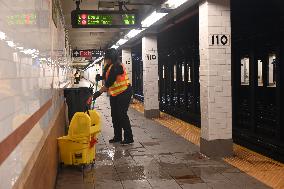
[[96, 95]]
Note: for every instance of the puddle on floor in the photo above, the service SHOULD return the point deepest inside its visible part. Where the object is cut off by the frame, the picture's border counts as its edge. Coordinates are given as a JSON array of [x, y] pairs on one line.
[[139, 175]]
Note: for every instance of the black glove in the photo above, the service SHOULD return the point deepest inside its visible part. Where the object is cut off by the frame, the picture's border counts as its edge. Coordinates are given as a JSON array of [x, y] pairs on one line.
[[98, 77], [97, 94]]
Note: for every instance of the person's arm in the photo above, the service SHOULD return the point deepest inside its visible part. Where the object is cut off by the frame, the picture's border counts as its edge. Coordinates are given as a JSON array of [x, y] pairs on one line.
[[103, 89], [114, 72]]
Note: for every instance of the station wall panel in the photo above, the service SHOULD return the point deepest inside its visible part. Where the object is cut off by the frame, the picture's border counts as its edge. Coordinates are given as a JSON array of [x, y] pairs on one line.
[[34, 62]]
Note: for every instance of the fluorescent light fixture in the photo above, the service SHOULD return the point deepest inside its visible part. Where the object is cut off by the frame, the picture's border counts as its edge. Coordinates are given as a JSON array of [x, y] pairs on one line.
[[11, 43], [37, 53], [154, 17], [114, 46], [20, 48], [147, 22], [95, 61], [29, 51], [121, 42], [175, 3], [133, 33], [2, 36]]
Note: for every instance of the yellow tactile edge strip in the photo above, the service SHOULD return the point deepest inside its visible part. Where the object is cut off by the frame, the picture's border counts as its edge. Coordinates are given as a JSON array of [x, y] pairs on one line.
[[264, 169]]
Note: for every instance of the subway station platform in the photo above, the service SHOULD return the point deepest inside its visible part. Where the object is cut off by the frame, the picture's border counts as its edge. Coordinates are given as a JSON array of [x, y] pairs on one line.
[[207, 81], [159, 158]]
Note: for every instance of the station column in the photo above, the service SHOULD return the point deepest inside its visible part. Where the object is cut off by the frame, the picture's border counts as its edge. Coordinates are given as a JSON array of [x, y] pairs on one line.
[[150, 76], [215, 78], [127, 61]]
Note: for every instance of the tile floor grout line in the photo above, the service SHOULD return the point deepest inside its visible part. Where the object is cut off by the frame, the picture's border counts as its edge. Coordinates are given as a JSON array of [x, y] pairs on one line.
[[176, 181]]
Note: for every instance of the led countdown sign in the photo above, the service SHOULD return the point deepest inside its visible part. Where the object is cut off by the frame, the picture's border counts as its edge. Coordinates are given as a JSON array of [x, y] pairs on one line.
[[103, 19], [22, 19]]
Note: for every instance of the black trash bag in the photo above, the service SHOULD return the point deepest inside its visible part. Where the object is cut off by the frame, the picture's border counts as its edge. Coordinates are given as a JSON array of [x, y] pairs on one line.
[[76, 99]]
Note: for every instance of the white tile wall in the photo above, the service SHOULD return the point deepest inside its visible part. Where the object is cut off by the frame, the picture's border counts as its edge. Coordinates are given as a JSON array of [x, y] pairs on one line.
[[215, 71], [28, 81]]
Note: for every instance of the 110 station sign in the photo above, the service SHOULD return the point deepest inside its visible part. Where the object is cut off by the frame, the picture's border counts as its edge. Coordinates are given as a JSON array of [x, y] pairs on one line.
[[219, 40]]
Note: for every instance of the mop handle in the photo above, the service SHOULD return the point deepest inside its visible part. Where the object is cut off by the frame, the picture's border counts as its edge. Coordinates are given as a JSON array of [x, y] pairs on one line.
[[93, 102], [97, 83]]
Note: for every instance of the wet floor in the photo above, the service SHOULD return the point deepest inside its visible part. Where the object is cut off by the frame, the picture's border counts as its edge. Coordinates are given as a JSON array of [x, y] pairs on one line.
[[157, 159]]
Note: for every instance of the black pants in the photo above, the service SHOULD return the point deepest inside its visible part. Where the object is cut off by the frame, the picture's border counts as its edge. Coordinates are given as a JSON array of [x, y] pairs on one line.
[[119, 107], [77, 79]]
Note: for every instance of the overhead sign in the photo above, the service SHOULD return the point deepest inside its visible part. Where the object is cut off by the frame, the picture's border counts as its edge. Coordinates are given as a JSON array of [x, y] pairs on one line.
[[219, 40], [103, 19], [22, 19], [28, 19], [87, 53]]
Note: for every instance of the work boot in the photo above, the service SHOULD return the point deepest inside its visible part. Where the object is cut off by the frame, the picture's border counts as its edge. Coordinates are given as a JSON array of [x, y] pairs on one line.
[[126, 142], [114, 140]]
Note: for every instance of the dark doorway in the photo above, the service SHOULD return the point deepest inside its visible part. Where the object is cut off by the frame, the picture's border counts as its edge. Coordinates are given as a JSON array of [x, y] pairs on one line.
[[257, 75], [179, 70], [137, 72]]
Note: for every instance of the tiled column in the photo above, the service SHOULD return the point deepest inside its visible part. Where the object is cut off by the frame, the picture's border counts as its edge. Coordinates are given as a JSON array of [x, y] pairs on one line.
[[215, 78], [127, 61], [150, 76]]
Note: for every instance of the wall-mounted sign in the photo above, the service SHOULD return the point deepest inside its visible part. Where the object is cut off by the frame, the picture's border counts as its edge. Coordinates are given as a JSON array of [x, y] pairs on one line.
[[87, 53], [28, 19], [219, 40], [103, 19], [22, 19], [151, 56]]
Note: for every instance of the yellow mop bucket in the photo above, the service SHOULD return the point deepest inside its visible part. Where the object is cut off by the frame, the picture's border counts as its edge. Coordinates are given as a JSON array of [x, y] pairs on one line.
[[78, 147], [75, 152]]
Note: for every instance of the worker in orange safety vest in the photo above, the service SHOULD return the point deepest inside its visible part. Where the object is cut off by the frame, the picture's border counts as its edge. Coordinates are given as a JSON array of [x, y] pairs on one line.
[[118, 86]]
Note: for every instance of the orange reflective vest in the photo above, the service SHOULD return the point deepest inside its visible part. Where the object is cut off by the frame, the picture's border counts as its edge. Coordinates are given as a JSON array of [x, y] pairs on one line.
[[121, 83]]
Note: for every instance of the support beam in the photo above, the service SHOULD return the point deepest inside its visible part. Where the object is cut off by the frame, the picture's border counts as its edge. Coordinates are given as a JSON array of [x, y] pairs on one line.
[[215, 78], [150, 76], [127, 61]]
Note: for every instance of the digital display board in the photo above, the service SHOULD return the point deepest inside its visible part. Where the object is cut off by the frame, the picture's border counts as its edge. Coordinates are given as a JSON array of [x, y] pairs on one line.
[[22, 19], [103, 19]]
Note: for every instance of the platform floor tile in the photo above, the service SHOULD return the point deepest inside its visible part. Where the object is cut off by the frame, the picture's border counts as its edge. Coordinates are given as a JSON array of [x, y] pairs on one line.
[[159, 158]]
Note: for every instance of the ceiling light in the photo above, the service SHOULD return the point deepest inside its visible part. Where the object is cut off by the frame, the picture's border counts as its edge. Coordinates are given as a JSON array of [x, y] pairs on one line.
[[175, 3], [133, 33], [2, 36], [154, 17], [10, 43], [114, 47], [29, 51], [121, 42]]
